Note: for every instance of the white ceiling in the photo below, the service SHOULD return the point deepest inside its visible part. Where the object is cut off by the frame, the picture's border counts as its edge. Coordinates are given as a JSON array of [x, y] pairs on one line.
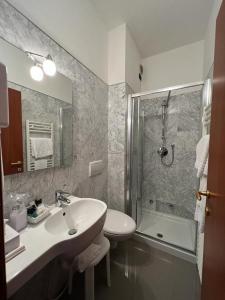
[[158, 25]]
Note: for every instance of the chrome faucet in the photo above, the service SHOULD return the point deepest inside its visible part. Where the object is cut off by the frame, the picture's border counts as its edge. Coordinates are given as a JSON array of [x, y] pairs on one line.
[[61, 198]]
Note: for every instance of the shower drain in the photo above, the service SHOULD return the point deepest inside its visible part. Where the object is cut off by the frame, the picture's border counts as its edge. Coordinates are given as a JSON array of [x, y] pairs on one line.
[[72, 231], [160, 235]]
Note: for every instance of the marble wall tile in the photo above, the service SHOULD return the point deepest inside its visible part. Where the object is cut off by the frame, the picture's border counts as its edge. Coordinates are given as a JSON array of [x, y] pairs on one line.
[[116, 181], [90, 116], [171, 190], [116, 118], [116, 144]]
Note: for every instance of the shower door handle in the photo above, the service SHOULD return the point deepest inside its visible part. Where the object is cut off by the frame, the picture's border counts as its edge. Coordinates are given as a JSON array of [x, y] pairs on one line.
[[207, 194]]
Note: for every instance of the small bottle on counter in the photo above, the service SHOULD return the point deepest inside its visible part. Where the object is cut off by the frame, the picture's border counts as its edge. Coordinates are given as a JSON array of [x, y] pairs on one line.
[[18, 216]]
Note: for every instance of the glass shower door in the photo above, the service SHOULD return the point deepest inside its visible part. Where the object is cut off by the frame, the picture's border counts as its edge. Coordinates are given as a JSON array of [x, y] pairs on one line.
[[136, 159], [161, 190]]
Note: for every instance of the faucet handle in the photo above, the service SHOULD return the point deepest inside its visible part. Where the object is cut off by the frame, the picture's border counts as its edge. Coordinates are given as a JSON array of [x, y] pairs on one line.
[[61, 192], [66, 193], [58, 192], [60, 196]]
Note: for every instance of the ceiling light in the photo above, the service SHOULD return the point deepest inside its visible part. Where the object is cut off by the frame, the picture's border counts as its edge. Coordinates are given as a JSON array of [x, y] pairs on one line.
[[36, 73], [49, 66]]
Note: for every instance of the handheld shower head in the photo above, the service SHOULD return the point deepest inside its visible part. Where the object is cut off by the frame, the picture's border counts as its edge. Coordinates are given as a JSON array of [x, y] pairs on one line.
[[163, 151]]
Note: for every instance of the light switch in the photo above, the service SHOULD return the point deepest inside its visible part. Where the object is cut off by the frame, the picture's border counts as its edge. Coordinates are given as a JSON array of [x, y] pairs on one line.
[[95, 168]]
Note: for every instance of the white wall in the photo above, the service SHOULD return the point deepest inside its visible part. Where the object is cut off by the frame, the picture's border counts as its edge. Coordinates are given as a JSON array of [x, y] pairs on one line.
[[209, 45], [123, 58], [75, 25], [116, 54], [178, 66], [133, 61]]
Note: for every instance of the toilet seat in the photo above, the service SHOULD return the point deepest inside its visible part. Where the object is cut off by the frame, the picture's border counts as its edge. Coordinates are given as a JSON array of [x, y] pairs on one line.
[[118, 224]]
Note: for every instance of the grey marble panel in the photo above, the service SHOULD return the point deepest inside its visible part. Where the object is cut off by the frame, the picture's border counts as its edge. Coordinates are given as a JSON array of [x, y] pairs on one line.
[[116, 144], [90, 117], [171, 190], [116, 118], [116, 181]]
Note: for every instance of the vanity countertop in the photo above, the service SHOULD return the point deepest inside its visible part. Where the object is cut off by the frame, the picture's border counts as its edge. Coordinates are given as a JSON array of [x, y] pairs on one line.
[[37, 242], [41, 247]]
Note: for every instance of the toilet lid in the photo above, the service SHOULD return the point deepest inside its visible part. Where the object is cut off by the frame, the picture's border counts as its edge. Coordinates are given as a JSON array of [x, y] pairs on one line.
[[118, 223]]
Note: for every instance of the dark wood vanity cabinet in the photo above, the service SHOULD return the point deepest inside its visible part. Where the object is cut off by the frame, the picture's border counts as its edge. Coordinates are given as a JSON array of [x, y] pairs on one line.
[[12, 138]]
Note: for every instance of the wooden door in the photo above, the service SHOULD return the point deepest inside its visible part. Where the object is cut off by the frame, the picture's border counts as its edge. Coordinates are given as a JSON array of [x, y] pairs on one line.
[[12, 139], [213, 285]]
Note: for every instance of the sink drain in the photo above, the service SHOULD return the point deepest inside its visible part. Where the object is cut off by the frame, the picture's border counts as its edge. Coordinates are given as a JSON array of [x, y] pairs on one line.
[[72, 231]]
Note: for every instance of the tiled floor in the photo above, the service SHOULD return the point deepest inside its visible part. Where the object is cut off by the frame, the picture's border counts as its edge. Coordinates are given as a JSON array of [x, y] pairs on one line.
[[142, 273]]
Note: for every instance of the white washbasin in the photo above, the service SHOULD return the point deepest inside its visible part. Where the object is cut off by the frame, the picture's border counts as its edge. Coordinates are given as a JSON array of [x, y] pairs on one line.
[[50, 238], [80, 215], [77, 224]]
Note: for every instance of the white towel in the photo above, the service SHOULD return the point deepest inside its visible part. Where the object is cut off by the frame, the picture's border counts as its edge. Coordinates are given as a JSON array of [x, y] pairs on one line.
[[40, 164], [206, 117], [202, 153], [41, 147], [205, 171], [200, 206]]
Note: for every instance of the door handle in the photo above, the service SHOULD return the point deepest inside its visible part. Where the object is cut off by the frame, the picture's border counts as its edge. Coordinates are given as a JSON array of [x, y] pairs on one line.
[[18, 163], [207, 194]]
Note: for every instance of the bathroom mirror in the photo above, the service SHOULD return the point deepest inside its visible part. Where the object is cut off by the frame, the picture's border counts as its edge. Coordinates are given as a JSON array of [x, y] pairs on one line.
[[40, 133]]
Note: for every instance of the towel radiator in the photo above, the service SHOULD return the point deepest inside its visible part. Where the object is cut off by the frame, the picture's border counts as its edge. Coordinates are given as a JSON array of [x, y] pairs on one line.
[[38, 130]]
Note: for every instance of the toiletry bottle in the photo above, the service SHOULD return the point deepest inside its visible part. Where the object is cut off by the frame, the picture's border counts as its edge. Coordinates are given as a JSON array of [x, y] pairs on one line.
[[18, 216]]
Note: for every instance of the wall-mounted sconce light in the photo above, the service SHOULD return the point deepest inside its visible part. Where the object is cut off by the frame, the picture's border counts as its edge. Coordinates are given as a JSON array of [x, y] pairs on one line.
[[47, 66], [36, 73]]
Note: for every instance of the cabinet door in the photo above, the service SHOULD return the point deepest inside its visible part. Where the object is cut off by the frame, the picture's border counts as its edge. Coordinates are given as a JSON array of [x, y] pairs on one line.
[[12, 139]]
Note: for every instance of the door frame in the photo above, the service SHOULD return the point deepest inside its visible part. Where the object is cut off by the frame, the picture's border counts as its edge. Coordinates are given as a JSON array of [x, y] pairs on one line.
[[3, 292]]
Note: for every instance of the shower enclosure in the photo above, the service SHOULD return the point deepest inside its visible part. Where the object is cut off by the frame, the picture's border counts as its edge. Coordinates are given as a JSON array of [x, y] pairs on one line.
[[163, 128]]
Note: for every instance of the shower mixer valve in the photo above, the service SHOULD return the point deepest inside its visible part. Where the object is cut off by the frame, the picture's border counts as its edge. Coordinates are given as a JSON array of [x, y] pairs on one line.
[[162, 151]]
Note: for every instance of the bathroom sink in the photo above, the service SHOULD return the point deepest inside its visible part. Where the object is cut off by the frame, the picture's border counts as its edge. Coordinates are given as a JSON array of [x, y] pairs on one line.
[[79, 215], [67, 231], [78, 223]]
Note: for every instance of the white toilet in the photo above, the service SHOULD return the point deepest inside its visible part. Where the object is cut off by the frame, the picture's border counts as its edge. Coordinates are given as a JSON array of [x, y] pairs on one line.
[[118, 226]]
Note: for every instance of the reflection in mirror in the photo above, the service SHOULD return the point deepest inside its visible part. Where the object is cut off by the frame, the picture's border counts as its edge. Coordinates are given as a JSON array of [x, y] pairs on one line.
[[46, 131], [40, 131]]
